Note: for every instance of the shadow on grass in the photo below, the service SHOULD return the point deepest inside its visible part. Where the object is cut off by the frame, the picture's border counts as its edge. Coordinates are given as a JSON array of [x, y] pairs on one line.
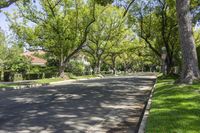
[[175, 108]]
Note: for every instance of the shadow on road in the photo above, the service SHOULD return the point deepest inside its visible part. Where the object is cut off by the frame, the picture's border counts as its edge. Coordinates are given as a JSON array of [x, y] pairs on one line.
[[104, 105]]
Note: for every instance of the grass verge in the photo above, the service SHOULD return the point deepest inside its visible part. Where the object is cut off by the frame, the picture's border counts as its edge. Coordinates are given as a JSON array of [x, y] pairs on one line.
[[175, 108], [45, 81], [48, 80], [82, 77], [7, 85]]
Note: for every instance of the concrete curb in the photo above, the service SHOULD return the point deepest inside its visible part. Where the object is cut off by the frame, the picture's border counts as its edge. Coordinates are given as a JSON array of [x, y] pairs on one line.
[[72, 80], [142, 126], [45, 84]]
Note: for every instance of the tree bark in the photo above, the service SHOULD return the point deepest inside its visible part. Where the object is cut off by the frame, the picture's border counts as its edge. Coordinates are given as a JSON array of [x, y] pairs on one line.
[[125, 68], [62, 71], [190, 70], [98, 67], [169, 65], [114, 64], [62, 67]]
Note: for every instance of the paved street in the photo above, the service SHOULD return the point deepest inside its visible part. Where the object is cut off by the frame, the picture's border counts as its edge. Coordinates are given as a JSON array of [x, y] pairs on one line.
[[111, 105]]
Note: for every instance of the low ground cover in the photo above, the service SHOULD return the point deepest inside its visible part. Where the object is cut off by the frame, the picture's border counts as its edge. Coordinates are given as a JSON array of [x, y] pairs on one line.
[[83, 77], [7, 85], [48, 80], [175, 108], [44, 81]]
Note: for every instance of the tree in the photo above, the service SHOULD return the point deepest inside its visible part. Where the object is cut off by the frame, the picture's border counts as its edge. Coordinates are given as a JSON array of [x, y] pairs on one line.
[[60, 27], [190, 70], [119, 46], [108, 28], [16, 62], [3, 52], [155, 22], [104, 2], [12, 61], [7, 3]]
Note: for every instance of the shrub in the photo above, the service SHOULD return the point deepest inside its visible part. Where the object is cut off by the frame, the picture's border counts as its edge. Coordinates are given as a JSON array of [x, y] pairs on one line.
[[75, 67]]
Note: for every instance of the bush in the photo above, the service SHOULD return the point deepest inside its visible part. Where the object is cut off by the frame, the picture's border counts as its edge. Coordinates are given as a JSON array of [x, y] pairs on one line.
[[75, 67], [8, 76], [18, 77], [39, 72], [32, 76]]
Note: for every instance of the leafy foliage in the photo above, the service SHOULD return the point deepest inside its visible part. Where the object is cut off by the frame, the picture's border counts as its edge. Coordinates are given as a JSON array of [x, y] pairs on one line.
[[104, 2], [60, 27], [104, 34], [75, 67], [15, 62]]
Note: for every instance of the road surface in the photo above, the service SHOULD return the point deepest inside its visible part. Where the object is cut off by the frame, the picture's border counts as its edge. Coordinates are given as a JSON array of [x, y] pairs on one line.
[[107, 105]]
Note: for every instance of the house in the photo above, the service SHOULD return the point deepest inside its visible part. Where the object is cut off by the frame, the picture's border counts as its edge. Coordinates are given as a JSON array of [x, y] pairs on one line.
[[36, 60]]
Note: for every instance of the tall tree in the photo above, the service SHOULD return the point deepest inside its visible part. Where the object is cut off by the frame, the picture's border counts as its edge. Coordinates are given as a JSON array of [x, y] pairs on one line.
[[155, 22], [190, 70], [59, 27], [109, 26]]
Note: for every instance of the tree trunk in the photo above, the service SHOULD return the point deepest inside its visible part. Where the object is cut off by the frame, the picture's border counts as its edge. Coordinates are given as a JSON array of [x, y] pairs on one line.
[[62, 71], [169, 65], [114, 65], [190, 70], [62, 67], [93, 70], [97, 67], [125, 68]]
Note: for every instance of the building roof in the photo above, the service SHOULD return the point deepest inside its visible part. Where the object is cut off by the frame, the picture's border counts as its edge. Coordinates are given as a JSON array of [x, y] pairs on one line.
[[36, 60]]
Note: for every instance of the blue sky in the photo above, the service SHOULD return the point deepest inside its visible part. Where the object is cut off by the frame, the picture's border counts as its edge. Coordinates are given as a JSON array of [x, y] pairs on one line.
[[3, 22]]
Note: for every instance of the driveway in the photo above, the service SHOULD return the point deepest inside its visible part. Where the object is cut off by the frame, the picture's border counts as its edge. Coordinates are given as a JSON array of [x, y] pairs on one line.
[[108, 105]]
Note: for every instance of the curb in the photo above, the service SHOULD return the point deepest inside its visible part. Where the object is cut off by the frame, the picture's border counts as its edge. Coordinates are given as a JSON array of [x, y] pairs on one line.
[[72, 80], [142, 126]]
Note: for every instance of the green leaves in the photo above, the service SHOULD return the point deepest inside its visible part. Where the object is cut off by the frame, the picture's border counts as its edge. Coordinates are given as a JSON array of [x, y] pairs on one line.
[[104, 2], [59, 26]]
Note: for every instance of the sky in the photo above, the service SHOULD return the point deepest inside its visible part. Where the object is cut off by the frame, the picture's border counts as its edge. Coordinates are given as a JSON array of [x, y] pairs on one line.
[[3, 22]]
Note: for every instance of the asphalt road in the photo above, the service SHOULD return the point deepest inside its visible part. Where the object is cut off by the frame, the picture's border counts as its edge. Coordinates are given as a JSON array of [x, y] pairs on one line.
[[108, 105]]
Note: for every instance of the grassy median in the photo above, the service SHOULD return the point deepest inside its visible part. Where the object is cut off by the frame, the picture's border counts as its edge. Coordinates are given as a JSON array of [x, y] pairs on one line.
[[175, 108], [44, 81]]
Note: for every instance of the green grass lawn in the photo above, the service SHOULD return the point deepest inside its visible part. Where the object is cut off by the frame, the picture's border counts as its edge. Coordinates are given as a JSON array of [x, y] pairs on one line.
[[175, 108], [39, 81], [45, 81], [6, 85], [82, 77]]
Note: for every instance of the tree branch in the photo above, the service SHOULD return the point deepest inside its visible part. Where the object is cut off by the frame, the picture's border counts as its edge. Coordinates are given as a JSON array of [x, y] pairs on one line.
[[127, 9], [5, 3]]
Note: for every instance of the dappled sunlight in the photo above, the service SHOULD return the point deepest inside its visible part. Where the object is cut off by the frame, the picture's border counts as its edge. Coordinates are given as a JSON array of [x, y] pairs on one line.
[[88, 106]]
